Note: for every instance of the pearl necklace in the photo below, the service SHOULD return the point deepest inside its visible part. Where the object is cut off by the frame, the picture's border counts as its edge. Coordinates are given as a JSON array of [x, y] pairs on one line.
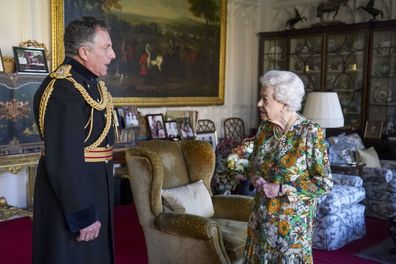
[[289, 124]]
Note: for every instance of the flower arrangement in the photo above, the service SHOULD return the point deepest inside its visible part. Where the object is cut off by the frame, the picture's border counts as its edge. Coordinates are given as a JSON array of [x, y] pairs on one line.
[[232, 169]]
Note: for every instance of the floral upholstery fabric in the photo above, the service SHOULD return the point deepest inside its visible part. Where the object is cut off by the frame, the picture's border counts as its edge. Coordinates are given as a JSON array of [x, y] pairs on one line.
[[380, 185], [340, 214], [335, 230], [343, 148]]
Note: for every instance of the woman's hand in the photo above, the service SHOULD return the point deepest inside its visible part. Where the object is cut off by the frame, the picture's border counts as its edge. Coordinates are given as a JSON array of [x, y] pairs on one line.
[[258, 183], [268, 189], [271, 190], [90, 232]]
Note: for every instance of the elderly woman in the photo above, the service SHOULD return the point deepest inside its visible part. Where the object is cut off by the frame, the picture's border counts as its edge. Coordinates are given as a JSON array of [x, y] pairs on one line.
[[290, 169]]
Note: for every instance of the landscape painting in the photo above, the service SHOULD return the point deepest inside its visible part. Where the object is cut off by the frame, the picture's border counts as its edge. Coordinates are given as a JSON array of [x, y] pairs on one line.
[[169, 52]]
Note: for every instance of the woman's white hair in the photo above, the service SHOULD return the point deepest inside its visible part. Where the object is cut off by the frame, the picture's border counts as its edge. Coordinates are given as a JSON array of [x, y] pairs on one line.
[[288, 88]]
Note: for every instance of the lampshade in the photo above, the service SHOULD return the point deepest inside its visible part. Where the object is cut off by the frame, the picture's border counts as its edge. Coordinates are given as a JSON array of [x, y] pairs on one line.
[[324, 108]]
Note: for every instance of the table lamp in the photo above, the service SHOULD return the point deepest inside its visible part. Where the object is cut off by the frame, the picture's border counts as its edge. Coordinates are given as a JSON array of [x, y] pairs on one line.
[[325, 109]]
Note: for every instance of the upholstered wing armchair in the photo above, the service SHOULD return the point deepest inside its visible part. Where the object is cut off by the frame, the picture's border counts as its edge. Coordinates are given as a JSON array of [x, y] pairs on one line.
[[157, 166]]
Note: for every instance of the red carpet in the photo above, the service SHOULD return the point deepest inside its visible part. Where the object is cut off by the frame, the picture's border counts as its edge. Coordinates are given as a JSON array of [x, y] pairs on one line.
[[16, 240]]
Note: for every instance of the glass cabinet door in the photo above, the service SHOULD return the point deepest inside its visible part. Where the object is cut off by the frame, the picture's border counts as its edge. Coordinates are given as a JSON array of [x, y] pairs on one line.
[[306, 60], [382, 85], [275, 56], [345, 58]]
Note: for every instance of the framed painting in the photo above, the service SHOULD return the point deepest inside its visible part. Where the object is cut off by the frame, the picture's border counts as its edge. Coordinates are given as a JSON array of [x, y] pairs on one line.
[[175, 56]]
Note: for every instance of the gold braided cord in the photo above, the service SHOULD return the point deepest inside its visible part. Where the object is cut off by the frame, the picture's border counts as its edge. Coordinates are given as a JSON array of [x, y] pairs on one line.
[[104, 103], [102, 88], [43, 104], [90, 123], [108, 114]]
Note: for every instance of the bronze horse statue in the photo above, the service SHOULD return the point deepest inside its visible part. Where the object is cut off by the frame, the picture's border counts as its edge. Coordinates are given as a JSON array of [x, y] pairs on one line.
[[328, 7], [294, 20], [369, 8]]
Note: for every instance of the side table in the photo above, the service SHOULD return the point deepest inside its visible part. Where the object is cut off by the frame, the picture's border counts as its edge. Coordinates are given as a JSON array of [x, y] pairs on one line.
[[348, 168]]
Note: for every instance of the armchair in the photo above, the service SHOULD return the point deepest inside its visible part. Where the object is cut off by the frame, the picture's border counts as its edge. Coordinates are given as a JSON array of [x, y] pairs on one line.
[[379, 176], [171, 237], [340, 214]]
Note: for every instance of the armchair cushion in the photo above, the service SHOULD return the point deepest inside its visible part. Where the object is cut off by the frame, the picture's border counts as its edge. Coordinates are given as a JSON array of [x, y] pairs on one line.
[[368, 156], [344, 179], [341, 196], [234, 236], [192, 199]]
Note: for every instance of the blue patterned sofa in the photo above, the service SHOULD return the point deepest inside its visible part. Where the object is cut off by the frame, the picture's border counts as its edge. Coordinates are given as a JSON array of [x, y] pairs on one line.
[[340, 214], [379, 176]]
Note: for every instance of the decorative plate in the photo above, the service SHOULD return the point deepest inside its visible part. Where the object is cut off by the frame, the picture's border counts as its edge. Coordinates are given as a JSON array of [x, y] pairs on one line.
[[275, 52], [382, 95]]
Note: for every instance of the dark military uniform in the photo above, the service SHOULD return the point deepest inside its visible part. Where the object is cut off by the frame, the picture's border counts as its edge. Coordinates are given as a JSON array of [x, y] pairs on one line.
[[71, 191]]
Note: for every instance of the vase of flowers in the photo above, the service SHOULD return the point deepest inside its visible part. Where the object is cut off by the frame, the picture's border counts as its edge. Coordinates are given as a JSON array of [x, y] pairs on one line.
[[232, 170]]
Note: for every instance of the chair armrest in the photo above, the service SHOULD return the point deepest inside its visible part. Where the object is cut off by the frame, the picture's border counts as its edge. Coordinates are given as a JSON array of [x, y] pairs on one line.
[[235, 207], [188, 225], [346, 179], [378, 175]]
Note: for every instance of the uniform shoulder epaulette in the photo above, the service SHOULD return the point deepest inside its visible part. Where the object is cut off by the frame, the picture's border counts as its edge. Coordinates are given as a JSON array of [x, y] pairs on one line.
[[62, 72]]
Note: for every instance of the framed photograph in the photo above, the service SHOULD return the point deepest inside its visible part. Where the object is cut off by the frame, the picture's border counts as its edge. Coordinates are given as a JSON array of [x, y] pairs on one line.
[[127, 116], [209, 137], [373, 129], [171, 129], [172, 57], [156, 126], [1, 63], [185, 128], [30, 60]]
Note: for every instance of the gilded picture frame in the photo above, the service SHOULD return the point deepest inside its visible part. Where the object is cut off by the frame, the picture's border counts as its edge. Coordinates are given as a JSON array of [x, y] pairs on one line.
[[194, 76]]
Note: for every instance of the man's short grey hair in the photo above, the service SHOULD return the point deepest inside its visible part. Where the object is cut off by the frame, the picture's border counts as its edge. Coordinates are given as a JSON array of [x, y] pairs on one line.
[[288, 88], [81, 32]]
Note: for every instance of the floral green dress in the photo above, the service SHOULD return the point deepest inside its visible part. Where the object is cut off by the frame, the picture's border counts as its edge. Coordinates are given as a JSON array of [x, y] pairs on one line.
[[280, 229]]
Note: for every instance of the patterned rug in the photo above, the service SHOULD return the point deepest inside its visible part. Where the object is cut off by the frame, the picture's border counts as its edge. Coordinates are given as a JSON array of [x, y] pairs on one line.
[[379, 252]]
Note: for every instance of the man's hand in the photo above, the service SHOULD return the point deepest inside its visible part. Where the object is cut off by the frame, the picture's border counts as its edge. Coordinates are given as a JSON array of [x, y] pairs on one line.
[[90, 232]]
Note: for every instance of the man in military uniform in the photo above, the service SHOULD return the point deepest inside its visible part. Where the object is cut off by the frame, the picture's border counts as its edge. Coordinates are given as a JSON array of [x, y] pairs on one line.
[[73, 197]]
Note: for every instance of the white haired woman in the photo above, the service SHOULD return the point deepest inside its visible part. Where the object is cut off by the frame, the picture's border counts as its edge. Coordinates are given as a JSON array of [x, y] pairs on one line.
[[290, 168]]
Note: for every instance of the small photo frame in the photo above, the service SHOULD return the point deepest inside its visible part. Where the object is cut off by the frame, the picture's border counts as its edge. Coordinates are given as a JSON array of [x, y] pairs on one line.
[[156, 126], [30, 60], [208, 137], [128, 117], [185, 128], [373, 129], [172, 129], [1, 62]]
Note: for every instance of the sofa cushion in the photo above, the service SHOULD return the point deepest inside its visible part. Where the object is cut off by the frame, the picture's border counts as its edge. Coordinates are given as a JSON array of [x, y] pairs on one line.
[[340, 196], [368, 156], [234, 236], [193, 199]]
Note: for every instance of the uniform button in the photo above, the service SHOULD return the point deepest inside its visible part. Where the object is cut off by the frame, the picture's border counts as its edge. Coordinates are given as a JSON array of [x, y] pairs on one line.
[[106, 161], [88, 86], [108, 146], [97, 100]]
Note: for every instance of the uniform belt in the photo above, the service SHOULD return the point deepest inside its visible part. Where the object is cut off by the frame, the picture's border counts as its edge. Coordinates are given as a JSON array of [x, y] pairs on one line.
[[99, 154]]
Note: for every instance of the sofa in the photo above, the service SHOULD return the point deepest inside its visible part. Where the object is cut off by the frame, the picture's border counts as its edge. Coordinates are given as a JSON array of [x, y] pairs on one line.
[[379, 176], [340, 214]]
